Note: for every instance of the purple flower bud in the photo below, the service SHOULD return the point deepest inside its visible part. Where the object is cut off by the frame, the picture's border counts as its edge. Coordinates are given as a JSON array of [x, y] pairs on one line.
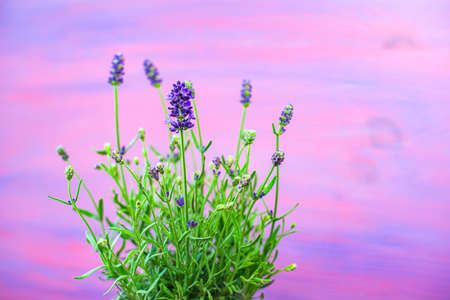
[[117, 156], [246, 93], [122, 150], [216, 161], [152, 73], [62, 152], [192, 224], [154, 173], [117, 70], [180, 201], [181, 110], [277, 158], [286, 117]]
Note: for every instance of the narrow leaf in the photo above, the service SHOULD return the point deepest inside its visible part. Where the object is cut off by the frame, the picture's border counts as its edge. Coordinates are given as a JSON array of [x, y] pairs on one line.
[[89, 272], [114, 283]]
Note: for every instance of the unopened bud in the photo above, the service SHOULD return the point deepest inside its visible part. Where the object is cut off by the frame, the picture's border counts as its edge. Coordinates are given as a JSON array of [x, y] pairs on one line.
[[69, 172], [141, 133], [107, 148], [102, 243], [62, 152], [291, 267], [136, 160]]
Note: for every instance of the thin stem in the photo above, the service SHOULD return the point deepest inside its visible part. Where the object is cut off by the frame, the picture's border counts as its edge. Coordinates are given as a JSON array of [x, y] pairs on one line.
[[166, 113], [276, 188], [116, 111], [184, 176], [185, 202], [199, 136], [240, 134]]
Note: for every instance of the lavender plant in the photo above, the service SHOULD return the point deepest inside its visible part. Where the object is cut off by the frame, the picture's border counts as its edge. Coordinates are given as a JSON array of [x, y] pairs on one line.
[[177, 235]]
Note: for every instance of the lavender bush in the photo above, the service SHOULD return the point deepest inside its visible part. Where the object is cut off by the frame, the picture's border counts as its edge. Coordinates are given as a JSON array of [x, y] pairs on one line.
[[179, 235]]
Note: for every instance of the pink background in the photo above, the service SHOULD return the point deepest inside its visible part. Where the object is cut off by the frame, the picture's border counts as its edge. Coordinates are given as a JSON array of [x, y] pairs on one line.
[[367, 150]]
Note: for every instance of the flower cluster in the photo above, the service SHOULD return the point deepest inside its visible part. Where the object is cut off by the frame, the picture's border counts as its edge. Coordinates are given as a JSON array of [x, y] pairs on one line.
[[69, 172], [215, 165], [152, 73], [117, 156], [180, 201], [192, 224], [62, 152], [286, 116], [181, 106], [154, 173], [244, 182], [246, 93], [277, 158], [117, 70], [248, 136]]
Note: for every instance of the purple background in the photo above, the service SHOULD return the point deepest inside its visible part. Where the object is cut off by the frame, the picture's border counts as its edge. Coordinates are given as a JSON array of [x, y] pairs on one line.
[[367, 150]]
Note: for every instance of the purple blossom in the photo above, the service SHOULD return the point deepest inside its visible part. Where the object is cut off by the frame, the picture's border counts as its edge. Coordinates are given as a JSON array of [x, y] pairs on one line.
[[286, 117], [117, 70], [246, 93], [181, 110], [122, 150], [154, 173], [277, 158], [217, 162], [180, 201], [117, 156], [152, 73], [192, 224]]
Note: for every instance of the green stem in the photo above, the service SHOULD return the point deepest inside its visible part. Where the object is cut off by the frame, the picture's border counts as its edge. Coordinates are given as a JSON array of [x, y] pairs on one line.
[[184, 177], [239, 138], [199, 136], [276, 187], [186, 201], [116, 111], [166, 113]]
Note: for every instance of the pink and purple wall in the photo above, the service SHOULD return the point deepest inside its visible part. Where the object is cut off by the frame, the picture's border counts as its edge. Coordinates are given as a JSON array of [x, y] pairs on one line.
[[368, 150]]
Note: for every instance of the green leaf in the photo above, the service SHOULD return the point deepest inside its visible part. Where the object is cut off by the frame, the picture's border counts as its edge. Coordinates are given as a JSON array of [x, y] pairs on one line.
[[57, 199], [270, 186], [87, 213], [89, 272], [133, 141], [114, 283], [273, 128], [207, 146], [195, 140], [101, 152], [100, 210], [155, 151], [200, 238]]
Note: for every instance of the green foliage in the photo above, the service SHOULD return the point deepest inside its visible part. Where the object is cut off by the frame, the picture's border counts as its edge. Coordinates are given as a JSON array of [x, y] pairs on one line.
[[149, 251]]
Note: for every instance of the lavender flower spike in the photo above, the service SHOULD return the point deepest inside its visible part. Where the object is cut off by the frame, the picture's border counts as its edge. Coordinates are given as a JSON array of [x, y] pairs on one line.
[[180, 201], [192, 224], [248, 136], [154, 173], [117, 70], [246, 93], [277, 158], [286, 117], [152, 73], [181, 109], [117, 156]]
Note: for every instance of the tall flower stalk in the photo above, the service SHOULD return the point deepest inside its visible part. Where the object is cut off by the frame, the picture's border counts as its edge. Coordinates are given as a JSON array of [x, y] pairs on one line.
[[246, 94], [116, 79]]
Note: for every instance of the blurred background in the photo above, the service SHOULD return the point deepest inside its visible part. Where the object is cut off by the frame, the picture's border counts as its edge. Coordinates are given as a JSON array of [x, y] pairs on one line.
[[367, 150]]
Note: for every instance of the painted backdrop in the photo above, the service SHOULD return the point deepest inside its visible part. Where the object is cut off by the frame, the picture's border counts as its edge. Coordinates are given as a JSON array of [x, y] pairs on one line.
[[367, 150]]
